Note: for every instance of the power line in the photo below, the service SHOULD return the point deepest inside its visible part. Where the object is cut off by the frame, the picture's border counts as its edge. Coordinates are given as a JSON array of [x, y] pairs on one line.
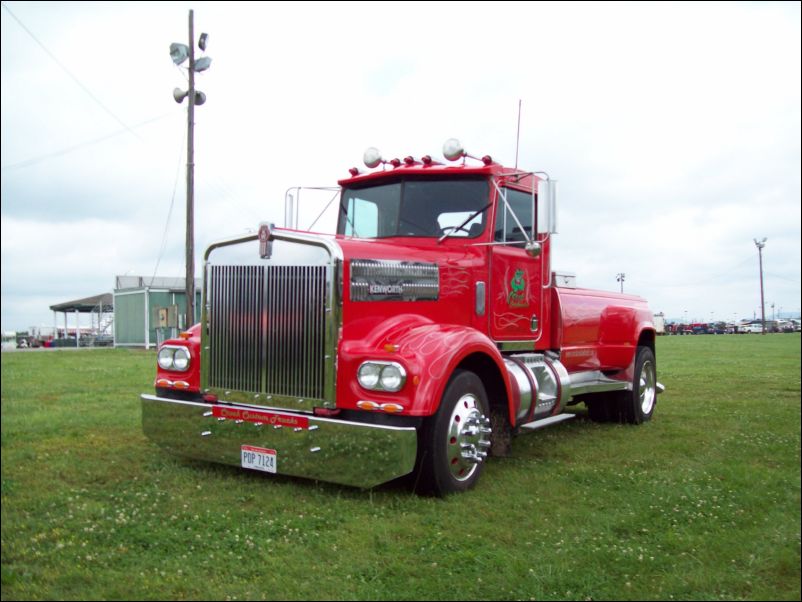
[[68, 72], [80, 145], [170, 211]]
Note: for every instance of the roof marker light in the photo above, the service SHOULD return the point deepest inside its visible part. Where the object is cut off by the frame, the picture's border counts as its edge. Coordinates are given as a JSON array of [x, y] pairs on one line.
[[395, 162], [409, 161], [353, 171]]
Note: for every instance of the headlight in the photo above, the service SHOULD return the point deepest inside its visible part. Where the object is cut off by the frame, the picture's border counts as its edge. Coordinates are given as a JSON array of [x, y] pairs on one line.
[[174, 358], [166, 358], [392, 377], [181, 359], [368, 375], [382, 376]]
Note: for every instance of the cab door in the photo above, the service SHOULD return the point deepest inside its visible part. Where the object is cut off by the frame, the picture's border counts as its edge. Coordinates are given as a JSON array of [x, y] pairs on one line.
[[515, 276]]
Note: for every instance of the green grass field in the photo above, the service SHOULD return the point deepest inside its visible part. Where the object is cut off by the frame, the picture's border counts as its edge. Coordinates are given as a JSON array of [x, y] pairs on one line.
[[701, 503]]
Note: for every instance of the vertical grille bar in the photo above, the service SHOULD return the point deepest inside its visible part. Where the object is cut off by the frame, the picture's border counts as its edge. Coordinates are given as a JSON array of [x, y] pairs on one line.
[[266, 329]]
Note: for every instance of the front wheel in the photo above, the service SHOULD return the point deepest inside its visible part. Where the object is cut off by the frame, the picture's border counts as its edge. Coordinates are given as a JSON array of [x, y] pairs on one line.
[[454, 443]]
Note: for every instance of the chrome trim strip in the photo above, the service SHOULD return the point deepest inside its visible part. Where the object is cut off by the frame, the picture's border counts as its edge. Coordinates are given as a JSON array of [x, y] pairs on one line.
[[336, 451], [516, 345], [481, 298]]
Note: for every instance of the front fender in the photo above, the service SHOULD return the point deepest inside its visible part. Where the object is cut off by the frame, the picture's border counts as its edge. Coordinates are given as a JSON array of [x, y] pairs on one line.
[[429, 352]]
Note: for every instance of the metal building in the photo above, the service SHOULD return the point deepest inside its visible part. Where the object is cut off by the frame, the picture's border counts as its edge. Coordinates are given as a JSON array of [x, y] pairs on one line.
[[150, 310], [98, 332]]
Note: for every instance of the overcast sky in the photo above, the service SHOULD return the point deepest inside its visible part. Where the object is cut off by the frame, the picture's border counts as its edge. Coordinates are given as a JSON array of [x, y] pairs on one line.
[[673, 129]]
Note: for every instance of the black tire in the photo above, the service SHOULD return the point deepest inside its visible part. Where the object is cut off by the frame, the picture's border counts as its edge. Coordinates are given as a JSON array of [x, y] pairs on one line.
[[637, 406], [454, 443], [601, 407]]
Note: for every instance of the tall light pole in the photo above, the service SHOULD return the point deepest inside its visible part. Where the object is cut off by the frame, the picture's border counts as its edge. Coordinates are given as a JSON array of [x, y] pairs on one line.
[[180, 53], [760, 244], [620, 277]]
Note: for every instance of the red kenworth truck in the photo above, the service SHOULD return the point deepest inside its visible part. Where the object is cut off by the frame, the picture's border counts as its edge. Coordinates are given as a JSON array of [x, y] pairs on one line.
[[418, 339]]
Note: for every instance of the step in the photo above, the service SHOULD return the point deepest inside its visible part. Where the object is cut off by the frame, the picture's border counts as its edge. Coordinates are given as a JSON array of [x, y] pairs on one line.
[[537, 424]]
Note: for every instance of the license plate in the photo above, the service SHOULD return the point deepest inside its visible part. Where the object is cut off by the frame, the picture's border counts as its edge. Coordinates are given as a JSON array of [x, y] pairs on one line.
[[258, 458]]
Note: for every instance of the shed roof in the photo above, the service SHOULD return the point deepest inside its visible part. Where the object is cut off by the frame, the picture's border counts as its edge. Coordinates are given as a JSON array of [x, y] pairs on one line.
[[86, 305]]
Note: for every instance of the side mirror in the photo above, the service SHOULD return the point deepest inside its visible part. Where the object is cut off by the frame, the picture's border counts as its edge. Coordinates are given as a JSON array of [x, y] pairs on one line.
[[547, 206]]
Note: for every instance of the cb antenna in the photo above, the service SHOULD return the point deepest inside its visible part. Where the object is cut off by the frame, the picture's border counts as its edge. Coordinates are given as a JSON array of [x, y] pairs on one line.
[[518, 134]]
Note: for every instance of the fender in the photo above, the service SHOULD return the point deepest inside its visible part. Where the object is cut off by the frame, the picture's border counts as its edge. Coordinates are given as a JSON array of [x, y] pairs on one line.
[[429, 352]]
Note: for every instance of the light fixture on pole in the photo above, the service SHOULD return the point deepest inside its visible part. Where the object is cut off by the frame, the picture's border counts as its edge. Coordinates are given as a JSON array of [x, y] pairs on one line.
[[760, 244], [180, 53], [620, 278]]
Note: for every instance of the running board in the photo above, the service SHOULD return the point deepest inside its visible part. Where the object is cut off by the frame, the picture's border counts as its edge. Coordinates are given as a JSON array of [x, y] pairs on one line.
[[537, 424], [594, 381]]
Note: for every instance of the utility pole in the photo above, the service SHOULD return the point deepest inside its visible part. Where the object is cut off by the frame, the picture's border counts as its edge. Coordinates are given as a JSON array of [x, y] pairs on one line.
[[620, 278], [190, 257], [760, 244], [180, 53]]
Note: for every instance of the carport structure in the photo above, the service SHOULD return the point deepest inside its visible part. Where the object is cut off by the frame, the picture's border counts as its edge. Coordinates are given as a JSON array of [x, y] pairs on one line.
[[101, 306]]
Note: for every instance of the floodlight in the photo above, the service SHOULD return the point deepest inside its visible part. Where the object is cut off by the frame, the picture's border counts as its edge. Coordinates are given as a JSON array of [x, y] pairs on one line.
[[179, 52], [203, 63]]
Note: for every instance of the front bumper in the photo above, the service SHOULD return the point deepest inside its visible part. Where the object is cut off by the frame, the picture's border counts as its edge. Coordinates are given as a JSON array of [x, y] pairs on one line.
[[336, 451]]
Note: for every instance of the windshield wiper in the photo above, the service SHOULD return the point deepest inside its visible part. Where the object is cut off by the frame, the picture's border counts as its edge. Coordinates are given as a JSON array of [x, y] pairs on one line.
[[462, 225], [348, 219]]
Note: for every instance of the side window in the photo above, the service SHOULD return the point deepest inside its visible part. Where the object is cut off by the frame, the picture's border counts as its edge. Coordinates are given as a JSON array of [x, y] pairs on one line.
[[364, 218], [506, 229]]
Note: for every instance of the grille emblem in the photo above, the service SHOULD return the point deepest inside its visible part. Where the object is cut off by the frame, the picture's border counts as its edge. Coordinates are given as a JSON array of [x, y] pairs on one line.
[[265, 240]]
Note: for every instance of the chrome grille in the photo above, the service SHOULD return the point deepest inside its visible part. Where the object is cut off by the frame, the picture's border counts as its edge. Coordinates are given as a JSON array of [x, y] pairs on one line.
[[267, 329]]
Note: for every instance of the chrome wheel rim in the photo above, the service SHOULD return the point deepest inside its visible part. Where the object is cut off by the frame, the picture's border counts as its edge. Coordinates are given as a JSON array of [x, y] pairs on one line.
[[647, 389], [468, 438]]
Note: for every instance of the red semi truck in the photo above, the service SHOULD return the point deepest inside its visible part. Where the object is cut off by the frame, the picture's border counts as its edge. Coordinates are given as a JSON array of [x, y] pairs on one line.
[[419, 339]]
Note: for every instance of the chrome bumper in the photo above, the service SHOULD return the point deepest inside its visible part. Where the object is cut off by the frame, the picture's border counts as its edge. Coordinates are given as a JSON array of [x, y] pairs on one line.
[[349, 453]]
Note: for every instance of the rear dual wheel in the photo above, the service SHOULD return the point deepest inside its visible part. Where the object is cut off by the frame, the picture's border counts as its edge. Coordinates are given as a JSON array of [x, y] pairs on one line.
[[635, 406]]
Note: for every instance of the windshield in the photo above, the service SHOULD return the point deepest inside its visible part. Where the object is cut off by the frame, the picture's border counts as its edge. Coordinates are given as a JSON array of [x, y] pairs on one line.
[[415, 207]]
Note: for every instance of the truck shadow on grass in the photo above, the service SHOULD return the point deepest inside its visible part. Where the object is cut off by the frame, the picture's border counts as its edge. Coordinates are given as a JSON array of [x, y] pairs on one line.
[[550, 444]]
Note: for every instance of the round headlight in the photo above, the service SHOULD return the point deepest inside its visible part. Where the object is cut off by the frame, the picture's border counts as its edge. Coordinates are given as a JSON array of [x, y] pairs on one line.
[[165, 358], [181, 359], [392, 378], [368, 375]]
